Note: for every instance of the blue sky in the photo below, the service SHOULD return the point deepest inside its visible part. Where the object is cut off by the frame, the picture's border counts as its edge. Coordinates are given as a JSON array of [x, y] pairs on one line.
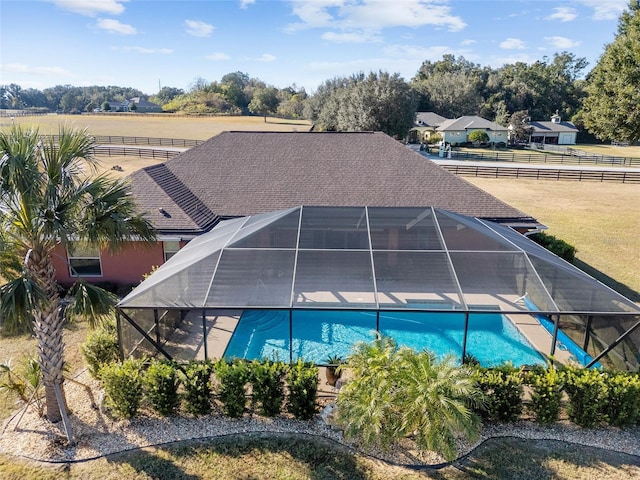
[[145, 44]]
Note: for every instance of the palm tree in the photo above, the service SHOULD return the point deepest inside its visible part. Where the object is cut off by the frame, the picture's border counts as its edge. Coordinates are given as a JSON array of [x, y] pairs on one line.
[[50, 195], [398, 392]]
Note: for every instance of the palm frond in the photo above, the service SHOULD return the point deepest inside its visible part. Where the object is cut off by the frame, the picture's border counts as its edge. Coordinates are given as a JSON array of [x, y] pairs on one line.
[[90, 302], [110, 214], [18, 300]]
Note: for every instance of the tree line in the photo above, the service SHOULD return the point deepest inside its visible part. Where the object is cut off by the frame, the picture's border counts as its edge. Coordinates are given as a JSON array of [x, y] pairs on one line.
[[604, 101]]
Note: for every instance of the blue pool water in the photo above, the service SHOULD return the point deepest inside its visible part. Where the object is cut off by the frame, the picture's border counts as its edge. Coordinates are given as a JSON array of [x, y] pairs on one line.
[[318, 334]]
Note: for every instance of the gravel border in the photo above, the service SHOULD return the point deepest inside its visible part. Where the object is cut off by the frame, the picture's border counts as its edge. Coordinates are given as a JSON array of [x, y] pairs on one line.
[[97, 434]]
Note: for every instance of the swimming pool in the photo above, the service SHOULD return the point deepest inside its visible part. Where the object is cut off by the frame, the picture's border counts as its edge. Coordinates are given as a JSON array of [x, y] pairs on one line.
[[314, 335]]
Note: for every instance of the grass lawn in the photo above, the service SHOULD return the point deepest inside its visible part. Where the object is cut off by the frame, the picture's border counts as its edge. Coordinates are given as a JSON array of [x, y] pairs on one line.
[[308, 458]]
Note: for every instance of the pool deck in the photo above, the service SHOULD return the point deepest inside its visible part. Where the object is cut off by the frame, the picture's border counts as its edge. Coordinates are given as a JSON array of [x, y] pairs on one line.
[[187, 342]]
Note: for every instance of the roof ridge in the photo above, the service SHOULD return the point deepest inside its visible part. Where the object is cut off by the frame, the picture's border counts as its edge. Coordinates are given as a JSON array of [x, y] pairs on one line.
[[183, 197]]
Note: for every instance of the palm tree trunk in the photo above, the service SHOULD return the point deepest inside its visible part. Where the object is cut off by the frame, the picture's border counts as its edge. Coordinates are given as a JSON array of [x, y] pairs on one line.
[[48, 322]]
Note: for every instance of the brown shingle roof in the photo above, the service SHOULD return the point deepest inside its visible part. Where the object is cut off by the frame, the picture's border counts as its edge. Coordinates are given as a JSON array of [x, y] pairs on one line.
[[244, 173]]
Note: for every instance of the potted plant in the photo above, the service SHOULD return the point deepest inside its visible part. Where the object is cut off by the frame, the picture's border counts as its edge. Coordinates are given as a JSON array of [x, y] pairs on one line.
[[334, 370]]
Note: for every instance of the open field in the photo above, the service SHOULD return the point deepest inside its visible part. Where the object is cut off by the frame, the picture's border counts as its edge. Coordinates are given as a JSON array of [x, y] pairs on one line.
[[599, 219], [612, 151], [191, 128]]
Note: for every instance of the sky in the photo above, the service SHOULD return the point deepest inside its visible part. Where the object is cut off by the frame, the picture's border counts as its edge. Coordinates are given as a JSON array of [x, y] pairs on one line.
[[148, 44]]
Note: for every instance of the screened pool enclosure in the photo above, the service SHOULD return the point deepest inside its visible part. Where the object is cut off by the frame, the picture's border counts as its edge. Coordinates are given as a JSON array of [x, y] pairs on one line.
[[308, 282]]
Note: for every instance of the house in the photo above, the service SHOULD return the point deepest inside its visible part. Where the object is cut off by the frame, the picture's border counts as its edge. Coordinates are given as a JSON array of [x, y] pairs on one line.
[[457, 131], [144, 106], [555, 132], [244, 173], [122, 106], [425, 124]]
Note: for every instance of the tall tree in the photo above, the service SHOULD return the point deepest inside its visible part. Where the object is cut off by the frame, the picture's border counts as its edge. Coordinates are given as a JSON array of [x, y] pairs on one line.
[[611, 109], [375, 102], [264, 101], [519, 128], [50, 196], [451, 87], [380, 102]]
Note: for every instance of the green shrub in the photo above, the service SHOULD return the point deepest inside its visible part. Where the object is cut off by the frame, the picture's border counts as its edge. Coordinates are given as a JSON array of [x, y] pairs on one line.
[[232, 377], [101, 348], [555, 245], [161, 387], [622, 406], [546, 394], [267, 384], [502, 389], [587, 394], [302, 379], [478, 136], [122, 384], [196, 380], [25, 381]]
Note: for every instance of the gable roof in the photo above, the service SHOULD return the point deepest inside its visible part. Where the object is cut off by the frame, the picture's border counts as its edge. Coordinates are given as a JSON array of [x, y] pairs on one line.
[[429, 119], [469, 122], [245, 173], [143, 103], [548, 127]]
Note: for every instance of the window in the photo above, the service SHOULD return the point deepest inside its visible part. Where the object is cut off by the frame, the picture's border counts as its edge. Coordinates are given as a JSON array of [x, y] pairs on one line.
[[170, 248], [84, 260]]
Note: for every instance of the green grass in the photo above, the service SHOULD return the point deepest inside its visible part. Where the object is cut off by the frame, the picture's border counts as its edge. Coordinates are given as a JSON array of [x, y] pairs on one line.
[[297, 457]]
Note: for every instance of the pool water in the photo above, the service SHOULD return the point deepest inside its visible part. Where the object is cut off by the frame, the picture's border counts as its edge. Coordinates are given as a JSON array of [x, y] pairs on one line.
[[317, 334]]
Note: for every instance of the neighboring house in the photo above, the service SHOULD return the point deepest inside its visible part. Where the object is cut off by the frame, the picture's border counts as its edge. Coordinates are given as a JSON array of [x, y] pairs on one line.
[[244, 173], [144, 106], [425, 124], [119, 106], [555, 132], [457, 131]]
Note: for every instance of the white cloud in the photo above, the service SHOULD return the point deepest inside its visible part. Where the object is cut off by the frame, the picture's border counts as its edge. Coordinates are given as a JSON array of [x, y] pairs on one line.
[[146, 51], [266, 57], [606, 10], [23, 69], [351, 37], [114, 26], [421, 53], [218, 56], [497, 62], [197, 28], [564, 14], [512, 44], [245, 3], [562, 42], [374, 15], [91, 8], [468, 42]]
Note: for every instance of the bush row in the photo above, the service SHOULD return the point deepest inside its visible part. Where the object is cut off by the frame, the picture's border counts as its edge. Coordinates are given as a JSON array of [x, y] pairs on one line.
[[590, 398], [234, 387]]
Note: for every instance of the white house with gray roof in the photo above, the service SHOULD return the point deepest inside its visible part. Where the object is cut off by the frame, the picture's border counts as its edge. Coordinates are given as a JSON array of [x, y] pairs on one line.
[[457, 130], [555, 132]]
